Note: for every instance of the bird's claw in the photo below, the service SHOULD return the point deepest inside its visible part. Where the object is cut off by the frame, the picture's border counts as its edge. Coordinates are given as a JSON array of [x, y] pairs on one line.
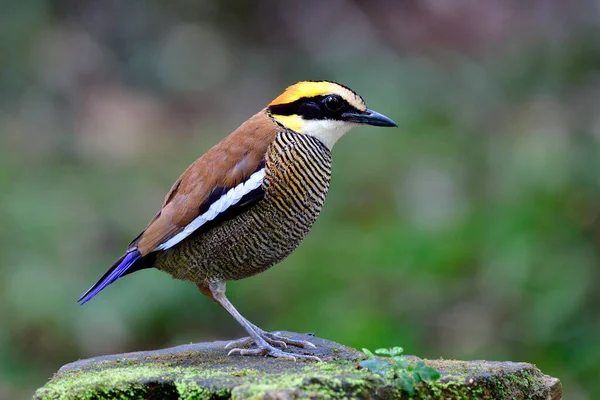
[[271, 351], [277, 336], [248, 341], [267, 344], [275, 339]]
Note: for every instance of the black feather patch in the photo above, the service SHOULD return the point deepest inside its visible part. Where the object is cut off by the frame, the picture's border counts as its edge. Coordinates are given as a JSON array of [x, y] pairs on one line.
[[247, 201], [317, 107]]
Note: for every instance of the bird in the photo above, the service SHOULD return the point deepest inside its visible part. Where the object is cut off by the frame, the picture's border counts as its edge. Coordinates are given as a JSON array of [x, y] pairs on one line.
[[249, 201]]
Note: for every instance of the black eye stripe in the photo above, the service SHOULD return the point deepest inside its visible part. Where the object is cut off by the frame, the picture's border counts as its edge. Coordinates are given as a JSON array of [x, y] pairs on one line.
[[310, 110], [307, 108], [293, 107]]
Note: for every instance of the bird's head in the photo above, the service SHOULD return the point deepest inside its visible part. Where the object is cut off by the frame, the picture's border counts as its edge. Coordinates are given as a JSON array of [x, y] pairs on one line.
[[323, 109]]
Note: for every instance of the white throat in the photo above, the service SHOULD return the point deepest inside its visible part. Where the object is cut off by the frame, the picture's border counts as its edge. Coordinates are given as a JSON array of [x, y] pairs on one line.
[[326, 130]]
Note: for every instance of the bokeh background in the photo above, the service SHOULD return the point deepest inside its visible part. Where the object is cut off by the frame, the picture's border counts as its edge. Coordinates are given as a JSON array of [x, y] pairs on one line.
[[471, 232]]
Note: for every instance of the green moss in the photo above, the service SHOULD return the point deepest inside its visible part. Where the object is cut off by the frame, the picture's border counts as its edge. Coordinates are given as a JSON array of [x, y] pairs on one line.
[[330, 380], [210, 374], [258, 389], [108, 382], [462, 381], [116, 380], [313, 385], [188, 390]]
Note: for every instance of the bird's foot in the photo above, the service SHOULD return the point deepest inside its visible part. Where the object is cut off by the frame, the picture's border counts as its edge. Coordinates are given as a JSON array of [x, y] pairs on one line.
[[266, 346], [274, 339], [266, 349]]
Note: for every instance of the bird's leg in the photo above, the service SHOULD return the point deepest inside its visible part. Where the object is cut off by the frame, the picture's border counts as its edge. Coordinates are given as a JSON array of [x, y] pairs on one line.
[[275, 338], [268, 337], [257, 335]]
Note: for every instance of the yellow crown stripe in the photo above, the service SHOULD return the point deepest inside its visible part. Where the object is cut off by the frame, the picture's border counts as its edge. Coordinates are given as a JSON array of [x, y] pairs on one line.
[[305, 89]]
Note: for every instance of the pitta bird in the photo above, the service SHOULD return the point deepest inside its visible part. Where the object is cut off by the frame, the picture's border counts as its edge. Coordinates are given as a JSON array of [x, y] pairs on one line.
[[249, 201]]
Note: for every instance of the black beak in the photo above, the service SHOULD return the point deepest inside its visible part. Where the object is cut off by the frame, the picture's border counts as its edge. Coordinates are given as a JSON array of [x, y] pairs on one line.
[[368, 117]]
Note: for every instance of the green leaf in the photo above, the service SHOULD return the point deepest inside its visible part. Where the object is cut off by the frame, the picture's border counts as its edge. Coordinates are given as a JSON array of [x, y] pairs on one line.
[[383, 352], [396, 351], [374, 365], [415, 375], [401, 362], [368, 353], [407, 383], [428, 374]]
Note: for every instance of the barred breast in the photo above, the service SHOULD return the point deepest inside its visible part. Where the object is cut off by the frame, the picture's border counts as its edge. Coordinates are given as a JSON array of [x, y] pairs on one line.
[[297, 174]]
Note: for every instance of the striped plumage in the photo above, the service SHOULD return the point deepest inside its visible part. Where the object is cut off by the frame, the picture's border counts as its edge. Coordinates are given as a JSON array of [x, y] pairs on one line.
[[297, 173], [249, 201]]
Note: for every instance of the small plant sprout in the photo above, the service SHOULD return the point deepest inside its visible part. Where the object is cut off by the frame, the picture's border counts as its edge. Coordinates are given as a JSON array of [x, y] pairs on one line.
[[396, 365]]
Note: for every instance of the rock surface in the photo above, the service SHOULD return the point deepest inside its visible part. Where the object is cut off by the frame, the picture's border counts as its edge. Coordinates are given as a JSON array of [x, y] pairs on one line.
[[204, 371]]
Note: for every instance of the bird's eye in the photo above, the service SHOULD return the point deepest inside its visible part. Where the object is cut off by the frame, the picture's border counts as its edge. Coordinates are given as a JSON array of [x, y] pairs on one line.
[[333, 103]]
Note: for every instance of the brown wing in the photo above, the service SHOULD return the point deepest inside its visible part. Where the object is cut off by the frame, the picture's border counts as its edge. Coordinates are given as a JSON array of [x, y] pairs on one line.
[[227, 164]]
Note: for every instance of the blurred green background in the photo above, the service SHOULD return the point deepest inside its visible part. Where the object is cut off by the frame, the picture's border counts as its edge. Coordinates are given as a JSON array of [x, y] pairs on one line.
[[472, 231]]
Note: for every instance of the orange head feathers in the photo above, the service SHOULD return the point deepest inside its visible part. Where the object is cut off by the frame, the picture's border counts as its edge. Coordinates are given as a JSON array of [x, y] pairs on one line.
[[308, 89]]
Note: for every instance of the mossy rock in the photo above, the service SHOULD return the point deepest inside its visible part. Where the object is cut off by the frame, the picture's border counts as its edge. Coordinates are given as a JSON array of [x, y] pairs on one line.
[[204, 371]]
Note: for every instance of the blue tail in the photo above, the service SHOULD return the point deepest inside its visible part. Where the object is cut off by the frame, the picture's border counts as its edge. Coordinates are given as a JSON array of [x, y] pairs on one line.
[[121, 267]]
